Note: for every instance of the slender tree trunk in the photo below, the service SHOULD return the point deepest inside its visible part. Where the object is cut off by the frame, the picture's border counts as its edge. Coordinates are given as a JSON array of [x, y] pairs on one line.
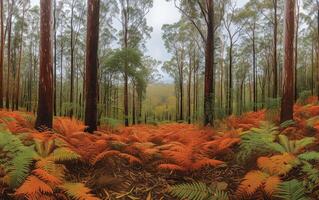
[[275, 38], [312, 68], [55, 60], [230, 84], [45, 106], [288, 87], [61, 78], [2, 41], [20, 60], [189, 89], [296, 53], [254, 72], [133, 107], [92, 41], [72, 62], [9, 55], [209, 67]]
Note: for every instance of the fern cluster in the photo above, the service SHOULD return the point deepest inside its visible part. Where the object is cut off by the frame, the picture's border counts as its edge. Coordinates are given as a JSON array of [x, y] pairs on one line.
[[197, 191], [15, 158]]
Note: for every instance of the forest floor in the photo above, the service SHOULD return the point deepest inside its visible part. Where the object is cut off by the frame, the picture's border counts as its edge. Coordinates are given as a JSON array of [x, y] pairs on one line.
[[244, 157]]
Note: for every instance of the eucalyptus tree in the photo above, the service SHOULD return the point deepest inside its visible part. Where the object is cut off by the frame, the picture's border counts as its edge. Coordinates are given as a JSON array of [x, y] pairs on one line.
[[91, 84], [175, 38], [45, 104], [233, 30], [206, 17], [133, 34], [249, 20], [288, 93]]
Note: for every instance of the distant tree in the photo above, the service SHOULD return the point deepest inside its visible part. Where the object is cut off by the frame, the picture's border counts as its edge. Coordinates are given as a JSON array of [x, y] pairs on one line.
[[288, 87], [45, 102], [91, 86]]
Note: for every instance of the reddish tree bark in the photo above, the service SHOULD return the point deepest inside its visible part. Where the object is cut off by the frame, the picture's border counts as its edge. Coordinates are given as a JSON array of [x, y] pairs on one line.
[[288, 75], [1, 53], [92, 40], [209, 67], [45, 101]]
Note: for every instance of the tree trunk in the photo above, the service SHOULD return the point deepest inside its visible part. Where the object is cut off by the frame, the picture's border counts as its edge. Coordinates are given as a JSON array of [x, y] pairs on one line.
[[288, 87], [55, 60], [254, 72], [2, 40], [92, 41], [209, 67], [19, 67], [9, 56], [61, 78], [275, 70], [296, 53], [230, 84], [133, 107], [45, 107], [189, 89], [72, 62]]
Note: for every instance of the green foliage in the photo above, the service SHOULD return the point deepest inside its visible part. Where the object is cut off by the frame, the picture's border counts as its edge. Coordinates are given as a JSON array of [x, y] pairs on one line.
[[312, 179], [259, 141], [291, 190], [197, 191], [15, 158], [308, 156]]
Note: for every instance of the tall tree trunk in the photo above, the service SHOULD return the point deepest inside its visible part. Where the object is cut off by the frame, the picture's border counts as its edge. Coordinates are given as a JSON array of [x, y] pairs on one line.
[[189, 89], [209, 67], [20, 60], [92, 41], [55, 60], [45, 106], [312, 68], [125, 29], [288, 87], [230, 84], [254, 71], [9, 55], [61, 78], [72, 62], [296, 53], [133, 107], [318, 49], [2, 41], [275, 38]]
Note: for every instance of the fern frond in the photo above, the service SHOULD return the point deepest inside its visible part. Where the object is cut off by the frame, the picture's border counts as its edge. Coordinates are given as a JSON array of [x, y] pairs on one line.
[[45, 176], [206, 162], [78, 191], [64, 154], [33, 186], [301, 144], [15, 157], [271, 185], [251, 183], [277, 165], [308, 156], [291, 190], [191, 191]]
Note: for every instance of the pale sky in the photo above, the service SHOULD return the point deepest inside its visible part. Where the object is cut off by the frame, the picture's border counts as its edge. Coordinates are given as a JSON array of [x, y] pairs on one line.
[[163, 12]]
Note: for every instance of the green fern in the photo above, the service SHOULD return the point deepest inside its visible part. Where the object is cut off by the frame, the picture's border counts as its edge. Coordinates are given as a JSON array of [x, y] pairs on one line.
[[309, 156], [259, 141], [15, 158], [291, 190], [196, 191], [311, 181]]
